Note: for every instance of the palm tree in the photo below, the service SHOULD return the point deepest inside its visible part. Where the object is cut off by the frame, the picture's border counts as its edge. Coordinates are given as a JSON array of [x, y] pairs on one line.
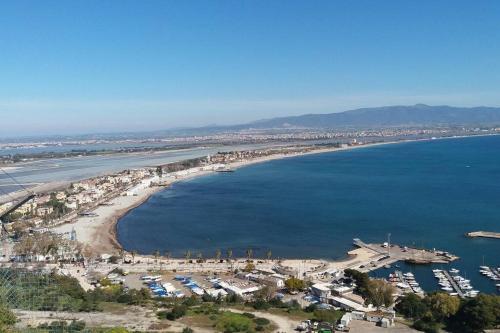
[[187, 255], [121, 254], [133, 253], [218, 254], [156, 255], [229, 254], [269, 254], [200, 256], [167, 255], [249, 253]]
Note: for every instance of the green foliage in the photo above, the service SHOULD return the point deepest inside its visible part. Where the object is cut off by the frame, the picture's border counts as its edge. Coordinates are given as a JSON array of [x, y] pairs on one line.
[[379, 293], [310, 308], [411, 306], [177, 312], [187, 330], [230, 322], [477, 314], [260, 304], [117, 330], [330, 316], [294, 284], [261, 321], [361, 279], [427, 326], [62, 327], [442, 305], [7, 318], [234, 299], [438, 309]]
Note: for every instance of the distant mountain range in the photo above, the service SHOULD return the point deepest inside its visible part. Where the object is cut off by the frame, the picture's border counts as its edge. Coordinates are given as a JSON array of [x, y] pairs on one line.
[[376, 117], [387, 116]]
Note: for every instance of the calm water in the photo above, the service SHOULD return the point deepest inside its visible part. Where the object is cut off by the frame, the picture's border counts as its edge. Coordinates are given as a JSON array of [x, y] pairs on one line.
[[426, 194]]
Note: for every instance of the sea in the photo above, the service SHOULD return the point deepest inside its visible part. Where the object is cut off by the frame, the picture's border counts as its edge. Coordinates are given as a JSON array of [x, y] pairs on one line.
[[424, 194]]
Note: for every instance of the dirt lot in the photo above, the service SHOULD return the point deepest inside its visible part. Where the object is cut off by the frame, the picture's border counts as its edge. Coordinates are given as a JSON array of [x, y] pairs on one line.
[[358, 326]]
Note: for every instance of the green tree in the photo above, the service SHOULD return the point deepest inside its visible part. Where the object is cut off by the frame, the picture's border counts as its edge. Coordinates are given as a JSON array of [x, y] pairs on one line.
[[218, 254], [411, 306], [187, 255], [156, 255], [133, 254], [380, 293], [477, 314], [269, 254], [294, 284], [229, 254], [249, 253], [249, 267], [442, 305]]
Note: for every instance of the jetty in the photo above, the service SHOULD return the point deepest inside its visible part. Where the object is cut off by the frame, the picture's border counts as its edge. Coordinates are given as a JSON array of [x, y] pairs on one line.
[[390, 253], [484, 234], [454, 284]]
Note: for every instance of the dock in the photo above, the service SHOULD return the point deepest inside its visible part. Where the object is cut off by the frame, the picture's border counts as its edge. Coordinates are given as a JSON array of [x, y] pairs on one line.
[[484, 234], [393, 253], [454, 284]]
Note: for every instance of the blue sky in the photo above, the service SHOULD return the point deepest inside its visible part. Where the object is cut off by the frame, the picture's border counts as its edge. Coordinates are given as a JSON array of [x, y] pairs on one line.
[[98, 66]]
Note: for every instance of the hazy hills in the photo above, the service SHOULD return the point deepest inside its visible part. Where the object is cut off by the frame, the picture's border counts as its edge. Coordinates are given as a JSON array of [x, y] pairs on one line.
[[414, 115]]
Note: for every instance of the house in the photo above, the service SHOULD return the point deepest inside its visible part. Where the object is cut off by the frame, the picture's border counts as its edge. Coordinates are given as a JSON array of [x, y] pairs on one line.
[[242, 288], [44, 211], [322, 290], [268, 280]]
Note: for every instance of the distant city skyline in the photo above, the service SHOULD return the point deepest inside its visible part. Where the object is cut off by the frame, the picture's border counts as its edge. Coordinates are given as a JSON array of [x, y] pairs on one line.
[[93, 66]]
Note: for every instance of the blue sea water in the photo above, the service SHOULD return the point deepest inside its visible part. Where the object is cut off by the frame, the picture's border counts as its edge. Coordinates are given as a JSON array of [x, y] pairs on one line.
[[426, 194]]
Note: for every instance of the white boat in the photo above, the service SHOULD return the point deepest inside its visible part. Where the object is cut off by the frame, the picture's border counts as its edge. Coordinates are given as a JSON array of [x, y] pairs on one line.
[[454, 271], [447, 288]]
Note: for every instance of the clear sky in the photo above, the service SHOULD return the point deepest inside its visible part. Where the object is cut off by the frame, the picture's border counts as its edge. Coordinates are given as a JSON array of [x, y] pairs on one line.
[[98, 66]]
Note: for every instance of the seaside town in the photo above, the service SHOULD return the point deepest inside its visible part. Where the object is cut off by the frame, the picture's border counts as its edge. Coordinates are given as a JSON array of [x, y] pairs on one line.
[[68, 236], [20, 151]]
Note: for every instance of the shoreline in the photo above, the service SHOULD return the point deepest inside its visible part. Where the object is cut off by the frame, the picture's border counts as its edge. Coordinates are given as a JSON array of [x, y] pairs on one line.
[[100, 233]]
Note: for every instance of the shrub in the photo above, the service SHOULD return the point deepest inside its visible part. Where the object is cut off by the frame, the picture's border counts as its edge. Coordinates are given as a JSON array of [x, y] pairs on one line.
[[233, 322], [261, 321], [249, 315], [260, 304], [177, 312]]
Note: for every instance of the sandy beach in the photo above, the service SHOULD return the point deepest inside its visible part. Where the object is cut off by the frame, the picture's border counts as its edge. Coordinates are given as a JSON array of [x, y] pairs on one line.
[[99, 232]]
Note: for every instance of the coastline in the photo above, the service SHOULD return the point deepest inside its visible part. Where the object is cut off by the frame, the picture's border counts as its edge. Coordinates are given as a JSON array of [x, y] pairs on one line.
[[100, 233]]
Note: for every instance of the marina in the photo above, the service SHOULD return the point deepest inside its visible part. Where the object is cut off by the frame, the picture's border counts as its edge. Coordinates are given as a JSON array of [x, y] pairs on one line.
[[451, 282]]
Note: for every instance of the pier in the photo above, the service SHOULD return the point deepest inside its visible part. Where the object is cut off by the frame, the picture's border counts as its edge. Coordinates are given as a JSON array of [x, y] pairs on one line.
[[454, 284], [387, 254], [484, 234]]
